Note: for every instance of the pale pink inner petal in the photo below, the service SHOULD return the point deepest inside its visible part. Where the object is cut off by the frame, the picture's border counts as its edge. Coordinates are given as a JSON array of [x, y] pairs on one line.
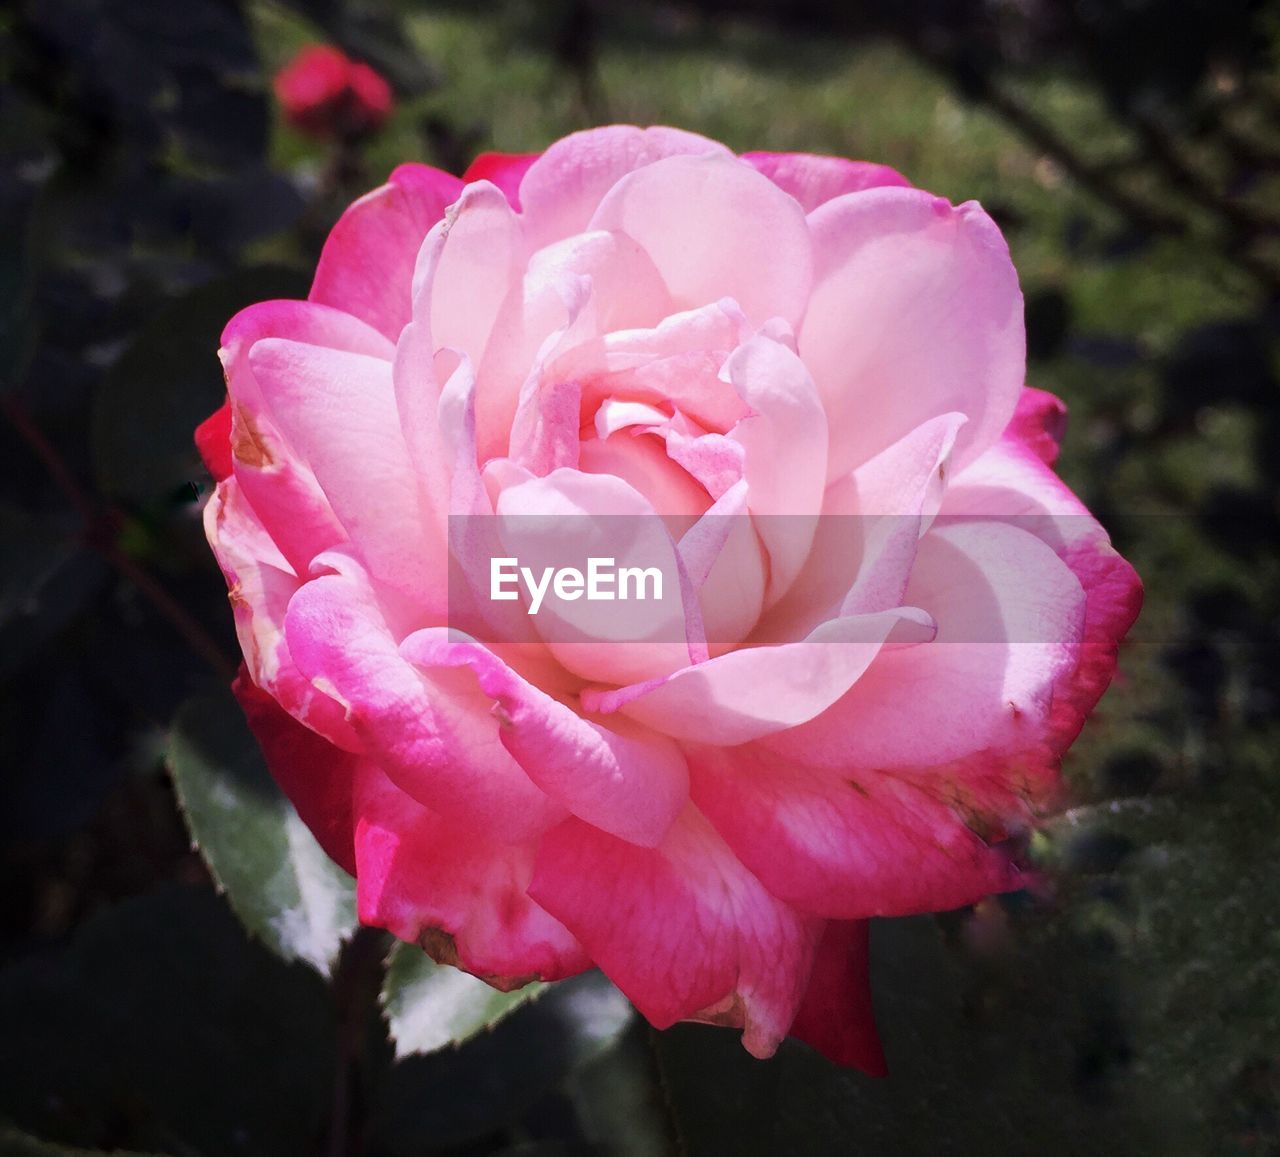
[[563, 187], [915, 313], [716, 228]]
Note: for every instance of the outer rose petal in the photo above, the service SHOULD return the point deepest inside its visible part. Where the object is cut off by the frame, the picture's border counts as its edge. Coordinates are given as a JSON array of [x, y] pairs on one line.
[[915, 312], [564, 185], [318, 778], [836, 1016], [260, 585], [684, 930], [716, 228], [1011, 481], [366, 267], [365, 472], [852, 843], [276, 480], [213, 440], [1039, 422], [814, 180], [506, 170], [452, 889]]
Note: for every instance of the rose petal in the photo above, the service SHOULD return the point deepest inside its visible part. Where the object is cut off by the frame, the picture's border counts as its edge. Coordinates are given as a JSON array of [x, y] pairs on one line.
[[365, 473], [213, 441], [784, 442], [836, 1016], [572, 290], [505, 170], [452, 889], [318, 777], [852, 843], [715, 228], [745, 694], [434, 737], [619, 778], [275, 477], [915, 312], [1009, 617], [564, 186], [684, 930], [260, 584], [814, 180], [1040, 422], [569, 517], [1012, 482], [471, 272], [366, 267]]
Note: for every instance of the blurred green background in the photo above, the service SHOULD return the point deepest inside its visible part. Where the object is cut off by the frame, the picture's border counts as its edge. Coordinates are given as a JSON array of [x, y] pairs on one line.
[[1131, 153]]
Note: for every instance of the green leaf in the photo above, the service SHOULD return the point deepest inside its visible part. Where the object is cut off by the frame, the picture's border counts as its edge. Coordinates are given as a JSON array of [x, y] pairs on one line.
[[279, 881], [495, 1077], [431, 1006]]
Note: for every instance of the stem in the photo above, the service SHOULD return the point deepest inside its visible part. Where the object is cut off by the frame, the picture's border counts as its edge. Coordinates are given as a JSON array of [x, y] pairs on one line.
[[356, 982], [100, 534]]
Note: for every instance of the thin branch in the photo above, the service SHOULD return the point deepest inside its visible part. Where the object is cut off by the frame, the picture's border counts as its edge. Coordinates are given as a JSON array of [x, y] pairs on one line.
[[100, 534], [356, 982]]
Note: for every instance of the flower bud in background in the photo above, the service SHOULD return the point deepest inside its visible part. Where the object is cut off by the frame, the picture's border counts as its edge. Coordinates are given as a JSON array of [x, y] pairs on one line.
[[327, 95]]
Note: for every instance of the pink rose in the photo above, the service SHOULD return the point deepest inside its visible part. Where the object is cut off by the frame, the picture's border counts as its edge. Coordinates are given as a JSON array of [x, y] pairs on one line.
[[884, 646], [325, 94]]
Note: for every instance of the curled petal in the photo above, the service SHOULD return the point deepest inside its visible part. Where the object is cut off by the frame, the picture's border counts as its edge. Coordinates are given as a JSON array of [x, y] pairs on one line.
[[274, 474], [434, 737], [756, 691], [1012, 482], [366, 473], [260, 584], [784, 442], [621, 779]]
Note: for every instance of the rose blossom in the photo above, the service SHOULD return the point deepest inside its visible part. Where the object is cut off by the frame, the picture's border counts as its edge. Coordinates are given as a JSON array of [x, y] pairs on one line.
[[862, 710], [325, 94]]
